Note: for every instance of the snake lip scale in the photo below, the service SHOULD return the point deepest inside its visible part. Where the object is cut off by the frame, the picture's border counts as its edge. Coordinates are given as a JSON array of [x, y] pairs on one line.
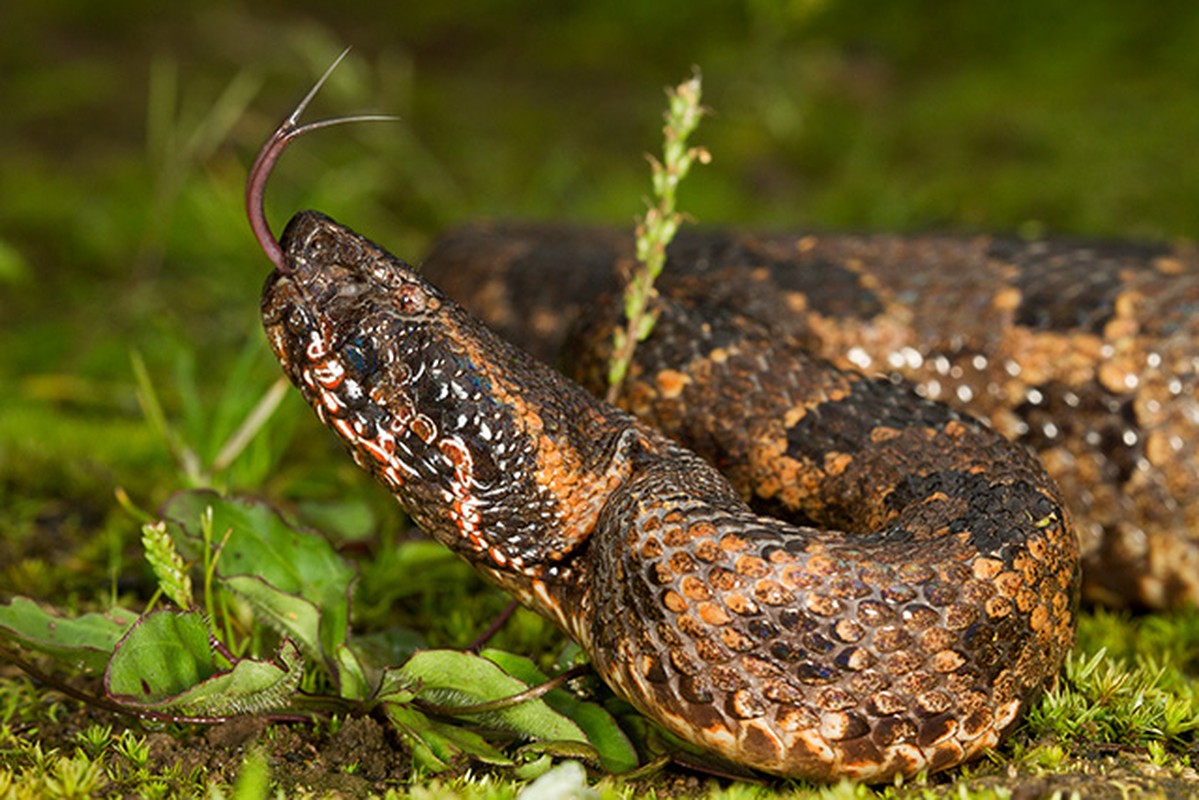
[[925, 592]]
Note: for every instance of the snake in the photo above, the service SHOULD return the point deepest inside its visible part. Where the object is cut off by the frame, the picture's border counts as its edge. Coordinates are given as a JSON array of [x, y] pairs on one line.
[[921, 592], [1085, 351]]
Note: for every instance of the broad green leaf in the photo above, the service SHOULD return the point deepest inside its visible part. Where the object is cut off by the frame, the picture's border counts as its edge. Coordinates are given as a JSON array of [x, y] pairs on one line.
[[413, 727], [346, 518], [396, 688], [615, 750], [293, 562], [263, 544], [164, 654], [251, 687], [453, 678], [166, 662], [292, 615], [300, 620], [449, 737], [85, 643]]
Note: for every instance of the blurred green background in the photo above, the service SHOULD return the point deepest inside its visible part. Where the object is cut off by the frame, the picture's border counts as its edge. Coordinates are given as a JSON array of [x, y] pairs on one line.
[[126, 129]]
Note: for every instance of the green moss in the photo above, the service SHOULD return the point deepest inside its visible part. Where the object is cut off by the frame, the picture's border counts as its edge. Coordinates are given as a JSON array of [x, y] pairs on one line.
[[1128, 696]]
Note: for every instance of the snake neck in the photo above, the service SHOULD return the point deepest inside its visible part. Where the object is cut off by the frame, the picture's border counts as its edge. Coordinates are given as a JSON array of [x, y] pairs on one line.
[[490, 452]]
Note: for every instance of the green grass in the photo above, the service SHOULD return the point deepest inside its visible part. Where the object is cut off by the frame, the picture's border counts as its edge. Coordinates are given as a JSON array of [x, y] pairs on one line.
[[124, 141]]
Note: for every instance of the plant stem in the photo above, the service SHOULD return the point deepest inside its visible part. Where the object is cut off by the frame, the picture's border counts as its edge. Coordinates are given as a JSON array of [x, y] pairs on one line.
[[658, 226]]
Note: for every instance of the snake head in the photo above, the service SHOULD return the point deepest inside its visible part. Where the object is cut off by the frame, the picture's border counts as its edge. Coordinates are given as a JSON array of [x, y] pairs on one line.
[[370, 345], [490, 451]]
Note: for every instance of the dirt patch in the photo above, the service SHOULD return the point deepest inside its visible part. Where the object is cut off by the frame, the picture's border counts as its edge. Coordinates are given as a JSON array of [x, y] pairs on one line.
[[355, 757], [359, 757]]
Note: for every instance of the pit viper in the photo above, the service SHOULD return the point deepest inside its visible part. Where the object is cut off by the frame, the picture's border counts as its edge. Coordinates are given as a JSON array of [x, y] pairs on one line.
[[877, 584]]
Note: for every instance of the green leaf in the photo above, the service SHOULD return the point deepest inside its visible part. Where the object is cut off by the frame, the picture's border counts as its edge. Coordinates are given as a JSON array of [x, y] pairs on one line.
[[437, 746], [264, 544], [252, 686], [85, 643], [396, 688], [163, 654], [352, 678], [448, 737], [288, 613], [535, 767], [605, 735], [414, 727], [294, 577], [560, 750], [166, 662], [452, 677]]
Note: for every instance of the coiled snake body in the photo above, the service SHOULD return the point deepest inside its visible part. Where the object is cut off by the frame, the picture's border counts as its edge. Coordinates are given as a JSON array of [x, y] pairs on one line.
[[800, 650], [924, 593], [1087, 352]]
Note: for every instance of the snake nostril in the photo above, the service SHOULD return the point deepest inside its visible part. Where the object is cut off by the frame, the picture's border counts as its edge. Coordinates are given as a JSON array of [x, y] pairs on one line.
[[320, 241]]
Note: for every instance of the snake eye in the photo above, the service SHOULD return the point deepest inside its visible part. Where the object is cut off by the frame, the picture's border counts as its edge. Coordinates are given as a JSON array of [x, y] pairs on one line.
[[360, 355]]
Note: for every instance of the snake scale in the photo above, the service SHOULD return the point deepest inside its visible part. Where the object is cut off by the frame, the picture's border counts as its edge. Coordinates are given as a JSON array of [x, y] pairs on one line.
[[1086, 352], [922, 590]]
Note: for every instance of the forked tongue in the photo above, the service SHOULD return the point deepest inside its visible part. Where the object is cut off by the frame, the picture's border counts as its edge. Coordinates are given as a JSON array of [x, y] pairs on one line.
[[288, 130]]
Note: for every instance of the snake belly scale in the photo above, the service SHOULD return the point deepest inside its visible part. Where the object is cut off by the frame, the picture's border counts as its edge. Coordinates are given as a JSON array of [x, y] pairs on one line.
[[924, 594]]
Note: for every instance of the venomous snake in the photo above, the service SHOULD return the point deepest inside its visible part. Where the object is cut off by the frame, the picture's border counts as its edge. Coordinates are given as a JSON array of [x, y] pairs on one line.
[[922, 591], [1083, 351]]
